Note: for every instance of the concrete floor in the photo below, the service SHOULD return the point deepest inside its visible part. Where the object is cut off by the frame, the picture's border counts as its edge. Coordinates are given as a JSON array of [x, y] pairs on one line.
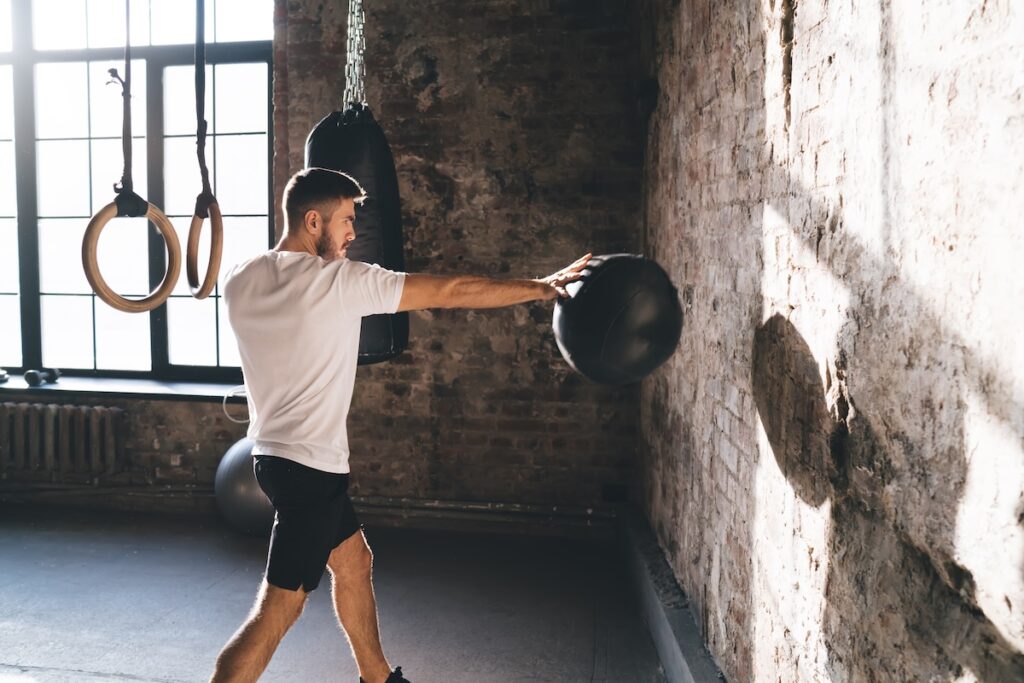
[[102, 596]]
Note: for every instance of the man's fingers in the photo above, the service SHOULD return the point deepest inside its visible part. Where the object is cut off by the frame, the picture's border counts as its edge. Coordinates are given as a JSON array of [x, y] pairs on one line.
[[570, 273], [578, 264], [566, 278], [574, 269]]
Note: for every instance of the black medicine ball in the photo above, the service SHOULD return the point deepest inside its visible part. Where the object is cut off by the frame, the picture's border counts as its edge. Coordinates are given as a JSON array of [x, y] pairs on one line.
[[621, 321]]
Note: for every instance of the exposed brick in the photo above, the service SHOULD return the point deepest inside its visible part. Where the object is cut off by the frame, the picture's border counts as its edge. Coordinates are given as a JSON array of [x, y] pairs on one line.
[[514, 153], [832, 459]]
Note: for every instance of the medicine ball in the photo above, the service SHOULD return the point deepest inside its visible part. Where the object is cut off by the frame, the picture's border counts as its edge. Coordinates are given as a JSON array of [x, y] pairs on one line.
[[622, 319], [238, 494]]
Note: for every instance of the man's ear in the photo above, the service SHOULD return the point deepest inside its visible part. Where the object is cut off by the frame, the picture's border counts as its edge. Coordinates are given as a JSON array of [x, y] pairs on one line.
[[312, 221]]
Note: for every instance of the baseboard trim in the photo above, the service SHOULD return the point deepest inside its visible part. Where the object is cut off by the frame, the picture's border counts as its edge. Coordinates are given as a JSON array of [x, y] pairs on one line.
[[374, 511], [665, 607], [512, 518]]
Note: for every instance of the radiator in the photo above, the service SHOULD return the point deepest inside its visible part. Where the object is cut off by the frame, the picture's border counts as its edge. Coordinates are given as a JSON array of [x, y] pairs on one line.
[[59, 439]]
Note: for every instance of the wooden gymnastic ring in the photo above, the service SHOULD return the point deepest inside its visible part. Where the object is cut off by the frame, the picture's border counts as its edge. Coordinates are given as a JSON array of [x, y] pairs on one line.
[[216, 250], [100, 286]]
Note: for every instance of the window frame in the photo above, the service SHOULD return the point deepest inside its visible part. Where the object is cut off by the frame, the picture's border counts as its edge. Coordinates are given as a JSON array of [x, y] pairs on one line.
[[23, 58]]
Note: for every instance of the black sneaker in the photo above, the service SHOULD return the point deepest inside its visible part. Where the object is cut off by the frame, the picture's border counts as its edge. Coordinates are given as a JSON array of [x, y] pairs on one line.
[[395, 677]]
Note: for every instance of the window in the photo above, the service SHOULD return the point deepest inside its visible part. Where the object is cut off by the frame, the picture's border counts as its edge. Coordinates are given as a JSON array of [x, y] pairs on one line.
[[60, 154], [10, 305]]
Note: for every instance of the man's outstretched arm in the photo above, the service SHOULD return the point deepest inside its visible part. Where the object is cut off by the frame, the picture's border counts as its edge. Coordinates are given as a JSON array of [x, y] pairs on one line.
[[471, 291]]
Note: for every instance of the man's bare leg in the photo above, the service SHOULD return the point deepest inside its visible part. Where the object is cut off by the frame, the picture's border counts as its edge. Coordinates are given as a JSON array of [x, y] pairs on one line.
[[351, 565], [246, 655]]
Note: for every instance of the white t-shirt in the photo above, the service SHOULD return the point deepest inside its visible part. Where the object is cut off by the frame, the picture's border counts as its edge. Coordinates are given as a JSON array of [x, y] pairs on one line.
[[297, 320]]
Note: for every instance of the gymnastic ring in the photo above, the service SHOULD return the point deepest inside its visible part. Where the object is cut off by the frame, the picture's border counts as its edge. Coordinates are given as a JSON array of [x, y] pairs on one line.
[[216, 249], [100, 286]]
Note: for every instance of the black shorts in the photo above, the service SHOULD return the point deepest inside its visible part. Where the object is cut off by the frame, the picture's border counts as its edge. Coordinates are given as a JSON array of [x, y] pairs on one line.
[[313, 516]]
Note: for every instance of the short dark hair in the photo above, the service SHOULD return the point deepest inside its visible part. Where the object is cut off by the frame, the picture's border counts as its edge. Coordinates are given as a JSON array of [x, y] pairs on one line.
[[312, 188]]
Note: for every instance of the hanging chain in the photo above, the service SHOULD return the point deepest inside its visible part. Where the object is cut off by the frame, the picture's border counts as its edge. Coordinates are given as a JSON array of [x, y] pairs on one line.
[[355, 68]]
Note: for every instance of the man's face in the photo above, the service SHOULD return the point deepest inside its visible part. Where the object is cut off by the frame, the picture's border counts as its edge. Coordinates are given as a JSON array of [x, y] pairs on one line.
[[338, 232]]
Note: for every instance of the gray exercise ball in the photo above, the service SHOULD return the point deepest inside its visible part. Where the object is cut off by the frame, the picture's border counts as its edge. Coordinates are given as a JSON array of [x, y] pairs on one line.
[[239, 496]]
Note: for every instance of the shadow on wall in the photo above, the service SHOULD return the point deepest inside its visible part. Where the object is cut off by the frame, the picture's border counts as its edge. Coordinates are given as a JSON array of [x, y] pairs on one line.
[[892, 467], [889, 614]]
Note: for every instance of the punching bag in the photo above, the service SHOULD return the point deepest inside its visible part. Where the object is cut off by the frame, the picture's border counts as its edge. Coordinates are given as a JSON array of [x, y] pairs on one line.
[[350, 141]]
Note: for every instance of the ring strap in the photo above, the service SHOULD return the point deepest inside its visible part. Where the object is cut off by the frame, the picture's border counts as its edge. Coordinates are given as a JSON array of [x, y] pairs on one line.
[[130, 206], [206, 203], [206, 198]]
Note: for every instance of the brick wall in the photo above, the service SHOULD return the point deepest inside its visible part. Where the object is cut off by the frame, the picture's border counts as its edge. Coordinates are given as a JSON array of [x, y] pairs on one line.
[[512, 128], [171, 452], [833, 459]]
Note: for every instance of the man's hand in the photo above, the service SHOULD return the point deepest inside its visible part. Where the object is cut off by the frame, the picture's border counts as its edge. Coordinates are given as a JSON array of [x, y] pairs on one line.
[[557, 281]]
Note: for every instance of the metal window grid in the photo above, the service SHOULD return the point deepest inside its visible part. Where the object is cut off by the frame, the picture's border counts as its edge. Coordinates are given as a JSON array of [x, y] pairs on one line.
[[23, 58]]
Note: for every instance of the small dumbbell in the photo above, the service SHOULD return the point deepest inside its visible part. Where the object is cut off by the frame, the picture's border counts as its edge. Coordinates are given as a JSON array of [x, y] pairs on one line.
[[44, 376]]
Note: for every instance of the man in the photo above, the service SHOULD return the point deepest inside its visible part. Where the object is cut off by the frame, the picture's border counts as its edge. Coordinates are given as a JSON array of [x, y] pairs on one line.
[[296, 311]]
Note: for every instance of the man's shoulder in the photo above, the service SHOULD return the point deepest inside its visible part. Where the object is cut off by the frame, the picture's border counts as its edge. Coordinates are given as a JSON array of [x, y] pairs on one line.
[[357, 268], [249, 262], [238, 271]]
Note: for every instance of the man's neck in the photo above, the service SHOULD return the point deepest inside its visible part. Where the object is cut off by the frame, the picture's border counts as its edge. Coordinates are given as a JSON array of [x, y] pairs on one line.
[[292, 242]]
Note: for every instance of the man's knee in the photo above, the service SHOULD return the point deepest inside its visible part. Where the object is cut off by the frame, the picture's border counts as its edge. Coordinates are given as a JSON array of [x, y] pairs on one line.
[[351, 559], [280, 604]]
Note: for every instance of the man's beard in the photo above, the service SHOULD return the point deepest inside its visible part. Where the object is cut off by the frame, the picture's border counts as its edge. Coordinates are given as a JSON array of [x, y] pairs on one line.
[[325, 247]]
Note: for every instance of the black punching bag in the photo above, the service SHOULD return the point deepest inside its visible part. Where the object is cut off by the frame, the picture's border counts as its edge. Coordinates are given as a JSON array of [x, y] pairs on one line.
[[350, 141], [621, 321]]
